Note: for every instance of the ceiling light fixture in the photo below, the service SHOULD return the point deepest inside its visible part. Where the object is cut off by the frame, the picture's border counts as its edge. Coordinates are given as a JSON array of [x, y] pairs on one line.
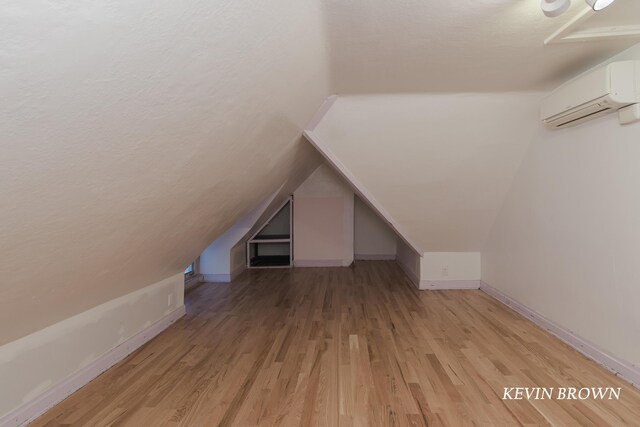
[[553, 8], [598, 4]]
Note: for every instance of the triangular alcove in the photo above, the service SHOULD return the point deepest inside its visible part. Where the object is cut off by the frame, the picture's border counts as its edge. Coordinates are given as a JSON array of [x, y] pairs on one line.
[[270, 247]]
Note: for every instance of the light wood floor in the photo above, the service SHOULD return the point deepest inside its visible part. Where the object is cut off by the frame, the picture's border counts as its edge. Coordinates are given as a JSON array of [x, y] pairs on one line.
[[341, 347]]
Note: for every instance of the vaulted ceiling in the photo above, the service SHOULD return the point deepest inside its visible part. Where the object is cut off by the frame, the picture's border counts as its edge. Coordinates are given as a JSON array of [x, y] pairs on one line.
[[461, 45], [134, 133], [436, 166]]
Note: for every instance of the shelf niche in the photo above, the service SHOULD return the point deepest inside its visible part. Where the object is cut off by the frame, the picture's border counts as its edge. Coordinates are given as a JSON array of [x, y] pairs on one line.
[[270, 247]]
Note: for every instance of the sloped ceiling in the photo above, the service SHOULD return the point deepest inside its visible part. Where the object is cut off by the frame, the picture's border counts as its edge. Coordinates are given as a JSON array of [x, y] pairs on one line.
[[439, 165], [458, 46], [134, 133]]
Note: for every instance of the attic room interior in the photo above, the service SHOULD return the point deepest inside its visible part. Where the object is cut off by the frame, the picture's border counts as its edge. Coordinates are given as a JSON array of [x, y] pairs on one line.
[[320, 213]]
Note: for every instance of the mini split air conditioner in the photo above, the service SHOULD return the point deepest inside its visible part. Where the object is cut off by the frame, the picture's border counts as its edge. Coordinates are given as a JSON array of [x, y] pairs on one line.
[[594, 94]]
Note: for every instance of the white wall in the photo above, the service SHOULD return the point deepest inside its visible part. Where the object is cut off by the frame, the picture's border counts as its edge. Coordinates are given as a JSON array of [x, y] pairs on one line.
[[373, 239], [440, 270], [216, 259], [438, 164], [133, 134], [35, 364], [238, 258], [450, 266], [409, 261], [450, 270], [280, 224], [566, 242], [323, 215]]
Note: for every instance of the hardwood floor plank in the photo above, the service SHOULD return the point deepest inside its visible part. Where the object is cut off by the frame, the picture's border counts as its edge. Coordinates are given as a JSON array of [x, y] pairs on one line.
[[344, 347]]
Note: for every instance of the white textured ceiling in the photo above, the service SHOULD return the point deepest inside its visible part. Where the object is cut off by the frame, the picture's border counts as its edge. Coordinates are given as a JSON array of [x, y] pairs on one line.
[[132, 133], [461, 45], [622, 12], [438, 165]]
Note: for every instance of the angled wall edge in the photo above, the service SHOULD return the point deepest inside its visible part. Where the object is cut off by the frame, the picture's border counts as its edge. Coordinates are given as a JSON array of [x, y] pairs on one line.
[[360, 189]]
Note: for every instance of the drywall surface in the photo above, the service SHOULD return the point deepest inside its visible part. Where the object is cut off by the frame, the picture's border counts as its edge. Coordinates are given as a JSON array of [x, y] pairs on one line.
[[238, 259], [280, 224], [439, 164], [443, 266], [373, 239], [440, 270], [418, 46], [566, 241], [133, 134], [319, 230], [323, 215], [37, 362], [215, 260], [409, 260]]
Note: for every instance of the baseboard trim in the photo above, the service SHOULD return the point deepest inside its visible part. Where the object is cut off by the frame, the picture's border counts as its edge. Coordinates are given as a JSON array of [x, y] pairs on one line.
[[375, 257], [217, 278], [623, 369], [224, 278], [192, 279], [443, 285], [319, 263], [31, 410]]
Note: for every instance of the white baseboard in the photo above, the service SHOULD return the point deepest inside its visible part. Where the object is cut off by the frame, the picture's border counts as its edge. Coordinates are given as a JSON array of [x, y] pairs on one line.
[[442, 285], [374, 257], [319, 263], [31, 410], [217, 278], [623, 369], [224, 278]]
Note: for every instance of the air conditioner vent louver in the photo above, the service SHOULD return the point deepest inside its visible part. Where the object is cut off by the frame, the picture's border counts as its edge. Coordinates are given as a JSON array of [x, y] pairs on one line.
[[581, 116]]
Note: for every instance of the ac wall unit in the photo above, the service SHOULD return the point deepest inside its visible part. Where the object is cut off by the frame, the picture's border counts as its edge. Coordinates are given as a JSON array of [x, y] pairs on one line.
[[593, 94]]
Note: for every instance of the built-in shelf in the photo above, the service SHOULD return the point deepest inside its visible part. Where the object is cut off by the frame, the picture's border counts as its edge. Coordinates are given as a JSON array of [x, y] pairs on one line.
[[276, 238], [271, 240], [270, 247], [270, 261]]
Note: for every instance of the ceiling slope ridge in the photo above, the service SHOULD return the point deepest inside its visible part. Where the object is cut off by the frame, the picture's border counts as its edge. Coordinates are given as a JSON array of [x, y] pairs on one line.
[[434, 167], [357, 185]]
